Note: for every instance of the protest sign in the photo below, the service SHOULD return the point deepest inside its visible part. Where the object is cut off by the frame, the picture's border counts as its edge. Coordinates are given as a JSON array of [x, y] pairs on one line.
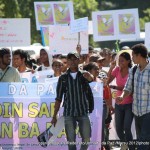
[[62, 42], [116, 24], [104, 25], [39, 76], [15, 32], [147, 35], [79, 25], [53, 13], [26, 112]]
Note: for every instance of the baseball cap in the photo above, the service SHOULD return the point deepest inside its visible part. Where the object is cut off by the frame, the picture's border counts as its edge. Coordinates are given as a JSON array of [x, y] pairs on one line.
[[100, 58], [75, 54], [95, 58]]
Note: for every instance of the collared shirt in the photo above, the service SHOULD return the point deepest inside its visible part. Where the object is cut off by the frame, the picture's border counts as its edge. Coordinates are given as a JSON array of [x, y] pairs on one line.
[[75, 100], [141, 95], [12, 75]]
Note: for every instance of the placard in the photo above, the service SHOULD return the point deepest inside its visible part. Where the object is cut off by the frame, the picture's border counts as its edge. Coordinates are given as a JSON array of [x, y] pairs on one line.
[[116, 24], [79, 25], [147, 35], [15, 32], [53, 13], [62, 42]]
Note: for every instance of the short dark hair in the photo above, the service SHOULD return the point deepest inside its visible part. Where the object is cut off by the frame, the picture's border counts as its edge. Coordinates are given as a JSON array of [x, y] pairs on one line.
[[94, 58], [90, 66], [63, 56], [4, 51], [140, 49], [148, 54], [91, 48], [22, 54]]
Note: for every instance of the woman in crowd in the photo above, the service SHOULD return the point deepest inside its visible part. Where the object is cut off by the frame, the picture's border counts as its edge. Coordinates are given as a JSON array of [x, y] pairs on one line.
[[46, 60], [123, 111], [57, 67], [93, 68]]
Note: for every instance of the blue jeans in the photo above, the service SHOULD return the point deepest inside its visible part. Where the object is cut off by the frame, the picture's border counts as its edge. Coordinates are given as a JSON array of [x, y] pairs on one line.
[[103, 121], [84, 129], [123, 121], [142, 124]]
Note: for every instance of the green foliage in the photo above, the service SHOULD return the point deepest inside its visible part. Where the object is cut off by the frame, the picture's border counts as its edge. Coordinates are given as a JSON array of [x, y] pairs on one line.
[[145, 19], [82, 8]]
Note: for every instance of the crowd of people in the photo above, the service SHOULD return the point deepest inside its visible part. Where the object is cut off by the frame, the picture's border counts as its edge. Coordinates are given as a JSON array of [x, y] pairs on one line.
[[75, 72]]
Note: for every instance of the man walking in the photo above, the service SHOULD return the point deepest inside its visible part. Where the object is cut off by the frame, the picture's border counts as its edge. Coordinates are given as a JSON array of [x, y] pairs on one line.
[[139, 84], [78, 103]]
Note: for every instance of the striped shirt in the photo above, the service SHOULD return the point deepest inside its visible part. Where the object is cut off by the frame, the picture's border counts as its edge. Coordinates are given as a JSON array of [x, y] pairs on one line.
[[141, 95], [75, 100]]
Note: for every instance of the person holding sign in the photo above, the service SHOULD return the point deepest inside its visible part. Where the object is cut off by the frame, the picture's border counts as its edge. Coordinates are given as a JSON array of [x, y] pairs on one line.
[[78, 102]]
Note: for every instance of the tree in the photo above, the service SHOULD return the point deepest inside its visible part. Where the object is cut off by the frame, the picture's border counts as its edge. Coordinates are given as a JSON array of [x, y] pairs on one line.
[[143, 9], [82, 8]]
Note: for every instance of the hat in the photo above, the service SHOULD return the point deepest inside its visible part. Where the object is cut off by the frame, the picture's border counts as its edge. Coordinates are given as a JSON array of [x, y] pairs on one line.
[[75, 54], [100, 58], [93, 58]]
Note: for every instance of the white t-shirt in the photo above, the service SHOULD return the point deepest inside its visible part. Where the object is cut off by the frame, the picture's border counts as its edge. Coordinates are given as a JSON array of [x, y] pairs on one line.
[[46, 68], [74, 74]]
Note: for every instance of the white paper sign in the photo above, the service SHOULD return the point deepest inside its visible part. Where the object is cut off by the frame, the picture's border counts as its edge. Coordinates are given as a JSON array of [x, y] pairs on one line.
[[90, 27], [116, 24], [38, 76], [15, 32], [53, 13], [62, 42], [147, 35], [79, 25]]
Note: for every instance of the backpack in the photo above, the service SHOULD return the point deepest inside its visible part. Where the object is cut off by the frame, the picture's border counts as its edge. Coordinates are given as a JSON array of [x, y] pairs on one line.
[[133, 72], [86, 89]]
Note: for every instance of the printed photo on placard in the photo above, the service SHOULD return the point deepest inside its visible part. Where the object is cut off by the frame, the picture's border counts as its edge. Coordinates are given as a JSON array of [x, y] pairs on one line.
[[45, 14], [52, 13], [105, 25], [115, 24], [126, 24], [62, 13]]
